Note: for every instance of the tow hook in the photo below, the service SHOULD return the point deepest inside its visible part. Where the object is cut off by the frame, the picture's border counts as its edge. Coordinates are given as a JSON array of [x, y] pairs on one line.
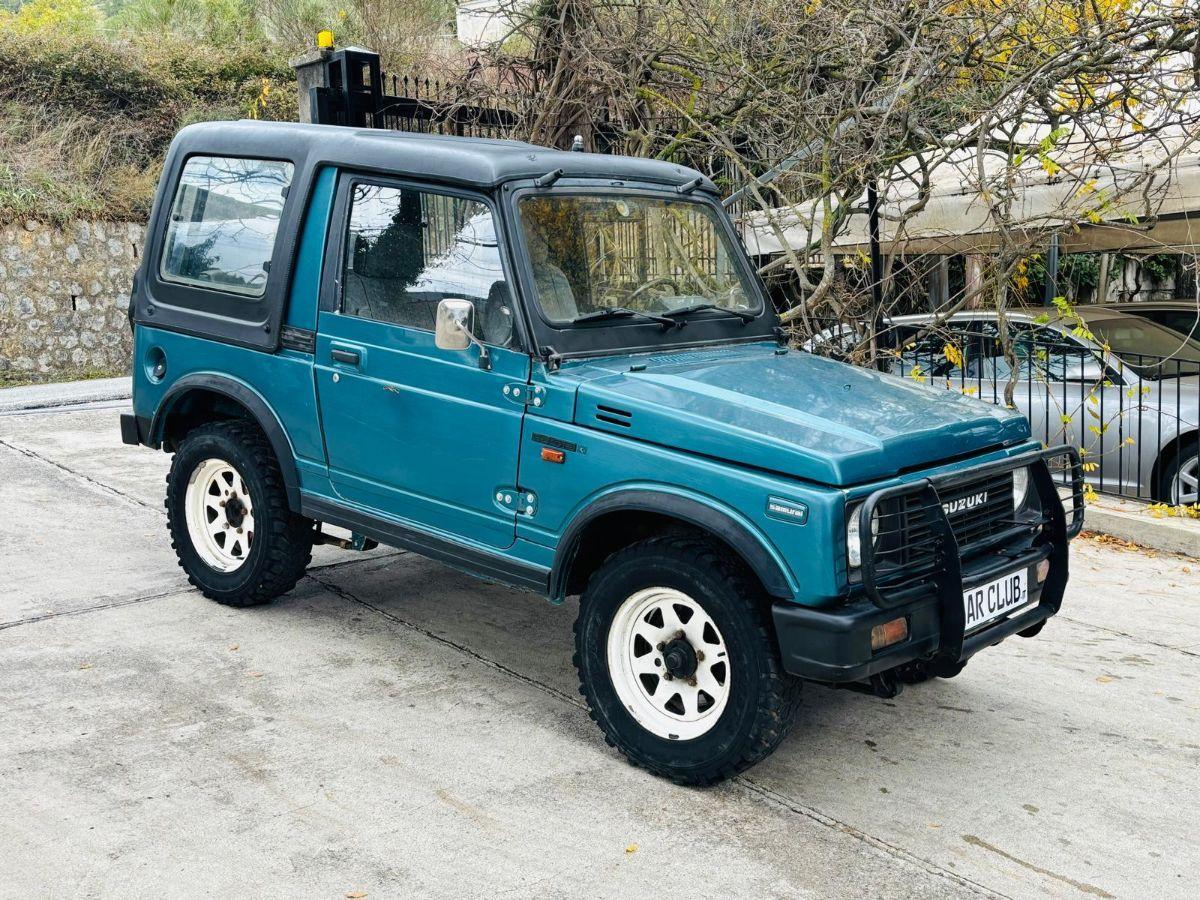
[[885, 685]]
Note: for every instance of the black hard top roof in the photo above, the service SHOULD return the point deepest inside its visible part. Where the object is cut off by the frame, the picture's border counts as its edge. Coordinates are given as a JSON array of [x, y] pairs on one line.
[[481, 162]]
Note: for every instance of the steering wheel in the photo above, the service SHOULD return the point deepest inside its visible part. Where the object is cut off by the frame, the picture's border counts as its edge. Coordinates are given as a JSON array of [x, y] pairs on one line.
[[496, 317], [652, 283]]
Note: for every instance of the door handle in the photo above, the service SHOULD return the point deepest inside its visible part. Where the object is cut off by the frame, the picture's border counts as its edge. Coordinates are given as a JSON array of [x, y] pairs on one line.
[[349, 357]]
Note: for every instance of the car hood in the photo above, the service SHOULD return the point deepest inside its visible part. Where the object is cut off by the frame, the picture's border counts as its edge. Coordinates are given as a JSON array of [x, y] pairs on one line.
[[793, 413]]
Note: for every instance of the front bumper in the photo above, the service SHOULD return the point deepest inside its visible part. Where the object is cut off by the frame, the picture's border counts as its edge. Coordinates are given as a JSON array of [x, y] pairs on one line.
[[834, 644]]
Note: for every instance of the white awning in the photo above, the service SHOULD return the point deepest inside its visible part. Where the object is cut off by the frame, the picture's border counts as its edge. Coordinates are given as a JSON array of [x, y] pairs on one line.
[[1150, 208]]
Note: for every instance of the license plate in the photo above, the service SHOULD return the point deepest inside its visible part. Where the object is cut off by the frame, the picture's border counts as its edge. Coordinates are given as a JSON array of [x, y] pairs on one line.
[[997, 598]]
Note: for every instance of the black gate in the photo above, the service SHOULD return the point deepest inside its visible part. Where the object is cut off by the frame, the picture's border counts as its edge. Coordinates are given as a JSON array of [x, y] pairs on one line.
[[351, 89]]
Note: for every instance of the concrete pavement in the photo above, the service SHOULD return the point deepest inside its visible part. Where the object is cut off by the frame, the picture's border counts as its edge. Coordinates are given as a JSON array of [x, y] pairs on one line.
[[395, 728], [66, 394]]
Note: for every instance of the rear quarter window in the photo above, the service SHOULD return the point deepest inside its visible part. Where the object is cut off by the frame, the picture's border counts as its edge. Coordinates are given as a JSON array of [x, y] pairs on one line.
[[224, 218]]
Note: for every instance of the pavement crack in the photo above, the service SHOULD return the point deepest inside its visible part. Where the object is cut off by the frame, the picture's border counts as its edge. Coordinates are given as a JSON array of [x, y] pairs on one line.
[[108, 489], [461, 648], [1136, 638], [1082, 886], [97, 607], [181, 588], [775, 798]]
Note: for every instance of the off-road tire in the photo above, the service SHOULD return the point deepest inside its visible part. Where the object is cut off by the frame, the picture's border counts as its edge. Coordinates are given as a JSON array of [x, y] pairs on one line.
[[762, 699], [283, 540]]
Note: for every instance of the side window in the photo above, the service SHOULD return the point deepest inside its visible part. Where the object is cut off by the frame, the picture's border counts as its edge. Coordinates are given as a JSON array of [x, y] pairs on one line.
[[983, 351], [1047, 355], [223, 222], [406, 250]]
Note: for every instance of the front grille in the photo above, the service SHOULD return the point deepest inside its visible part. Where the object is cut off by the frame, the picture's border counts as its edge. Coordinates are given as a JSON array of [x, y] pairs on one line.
[[904, 539], [971, 523], [990, 517]]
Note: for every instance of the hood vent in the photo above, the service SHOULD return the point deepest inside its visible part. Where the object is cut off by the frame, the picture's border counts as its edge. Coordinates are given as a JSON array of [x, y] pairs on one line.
[[614, 416]]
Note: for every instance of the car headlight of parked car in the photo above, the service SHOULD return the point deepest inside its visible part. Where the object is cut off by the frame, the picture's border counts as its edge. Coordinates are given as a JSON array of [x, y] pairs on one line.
[[853, 537]]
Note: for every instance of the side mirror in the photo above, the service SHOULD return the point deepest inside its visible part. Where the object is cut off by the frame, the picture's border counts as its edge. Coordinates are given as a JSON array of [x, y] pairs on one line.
[[454, 329]]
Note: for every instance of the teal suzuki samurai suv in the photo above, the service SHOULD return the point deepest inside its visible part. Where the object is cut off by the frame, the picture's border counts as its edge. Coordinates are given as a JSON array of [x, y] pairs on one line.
[[559, 371]]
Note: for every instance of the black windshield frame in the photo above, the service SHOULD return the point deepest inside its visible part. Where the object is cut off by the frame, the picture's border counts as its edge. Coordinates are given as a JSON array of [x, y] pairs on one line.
[[634, 335]]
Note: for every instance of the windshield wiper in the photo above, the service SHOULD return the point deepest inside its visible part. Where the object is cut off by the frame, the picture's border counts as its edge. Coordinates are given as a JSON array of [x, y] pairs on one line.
[[624, 312], [700, 307]]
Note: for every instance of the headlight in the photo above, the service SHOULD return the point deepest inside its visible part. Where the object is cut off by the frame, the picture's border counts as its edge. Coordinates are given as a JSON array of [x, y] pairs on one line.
[[853, 541], [1020, 486]]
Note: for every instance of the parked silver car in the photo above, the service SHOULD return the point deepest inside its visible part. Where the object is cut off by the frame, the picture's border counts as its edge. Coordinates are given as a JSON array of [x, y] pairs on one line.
[[1122, 388], [1178, 315]]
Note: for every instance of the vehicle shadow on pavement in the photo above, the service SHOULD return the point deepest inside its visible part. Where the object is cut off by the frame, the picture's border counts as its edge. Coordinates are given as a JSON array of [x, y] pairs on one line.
[[513, 630]]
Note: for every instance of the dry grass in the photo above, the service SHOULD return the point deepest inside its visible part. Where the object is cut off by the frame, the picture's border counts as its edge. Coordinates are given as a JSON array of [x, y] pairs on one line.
[[57, 168], [84, 124]]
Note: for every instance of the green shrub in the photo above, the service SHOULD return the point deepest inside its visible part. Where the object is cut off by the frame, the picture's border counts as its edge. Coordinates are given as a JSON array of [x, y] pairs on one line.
[[62, 17]]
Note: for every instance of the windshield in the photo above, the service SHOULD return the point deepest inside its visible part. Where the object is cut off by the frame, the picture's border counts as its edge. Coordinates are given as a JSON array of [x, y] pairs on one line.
[[1142, 343], [595, 255]]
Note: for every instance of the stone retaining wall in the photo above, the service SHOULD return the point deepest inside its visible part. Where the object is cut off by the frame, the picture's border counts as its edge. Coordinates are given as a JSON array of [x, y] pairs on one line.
[[63, 298]]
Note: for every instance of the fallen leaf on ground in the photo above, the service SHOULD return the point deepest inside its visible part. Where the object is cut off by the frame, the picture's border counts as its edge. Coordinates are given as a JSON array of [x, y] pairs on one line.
[[254, 674], [632, 848], [86, 666], [1104, 679], [233, 646], [356, 895]]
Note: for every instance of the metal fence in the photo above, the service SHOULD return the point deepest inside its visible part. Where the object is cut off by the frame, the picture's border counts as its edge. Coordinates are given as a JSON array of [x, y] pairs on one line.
[[431, 106], [434, 106]]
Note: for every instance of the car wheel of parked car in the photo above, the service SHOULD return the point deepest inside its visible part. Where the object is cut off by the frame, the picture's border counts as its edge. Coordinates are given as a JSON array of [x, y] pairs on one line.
[[678, 663], [1181, 480], [228, 514]]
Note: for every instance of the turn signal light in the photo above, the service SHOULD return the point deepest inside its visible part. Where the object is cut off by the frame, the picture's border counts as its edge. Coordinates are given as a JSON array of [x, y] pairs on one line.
[[889, 633], [549, 454], [1043, 569]]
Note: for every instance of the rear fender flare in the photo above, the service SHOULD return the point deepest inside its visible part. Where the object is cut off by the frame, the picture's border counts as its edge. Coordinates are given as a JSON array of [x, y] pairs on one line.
[[253, 402]]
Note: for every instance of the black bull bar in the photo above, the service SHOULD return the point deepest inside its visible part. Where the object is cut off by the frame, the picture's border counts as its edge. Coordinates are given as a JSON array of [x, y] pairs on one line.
[[898, 566]]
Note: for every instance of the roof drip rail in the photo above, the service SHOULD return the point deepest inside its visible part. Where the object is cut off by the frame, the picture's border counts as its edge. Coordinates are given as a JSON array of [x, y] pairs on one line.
[[690, 186], [549, 178]]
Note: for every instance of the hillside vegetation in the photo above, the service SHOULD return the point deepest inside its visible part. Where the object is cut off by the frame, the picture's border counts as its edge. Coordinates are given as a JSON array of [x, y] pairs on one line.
[[84, 122], [91, 95]]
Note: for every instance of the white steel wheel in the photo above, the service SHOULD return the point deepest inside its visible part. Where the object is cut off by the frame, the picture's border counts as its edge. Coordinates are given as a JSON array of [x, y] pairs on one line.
[[219, 515], [1185, 488], [668, 663]]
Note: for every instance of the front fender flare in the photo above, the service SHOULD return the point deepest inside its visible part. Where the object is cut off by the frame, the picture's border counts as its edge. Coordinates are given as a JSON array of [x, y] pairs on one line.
[[253, 402], [753, 548]]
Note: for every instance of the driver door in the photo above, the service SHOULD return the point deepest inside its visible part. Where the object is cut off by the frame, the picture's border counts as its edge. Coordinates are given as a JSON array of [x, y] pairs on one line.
[[412, 432]]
